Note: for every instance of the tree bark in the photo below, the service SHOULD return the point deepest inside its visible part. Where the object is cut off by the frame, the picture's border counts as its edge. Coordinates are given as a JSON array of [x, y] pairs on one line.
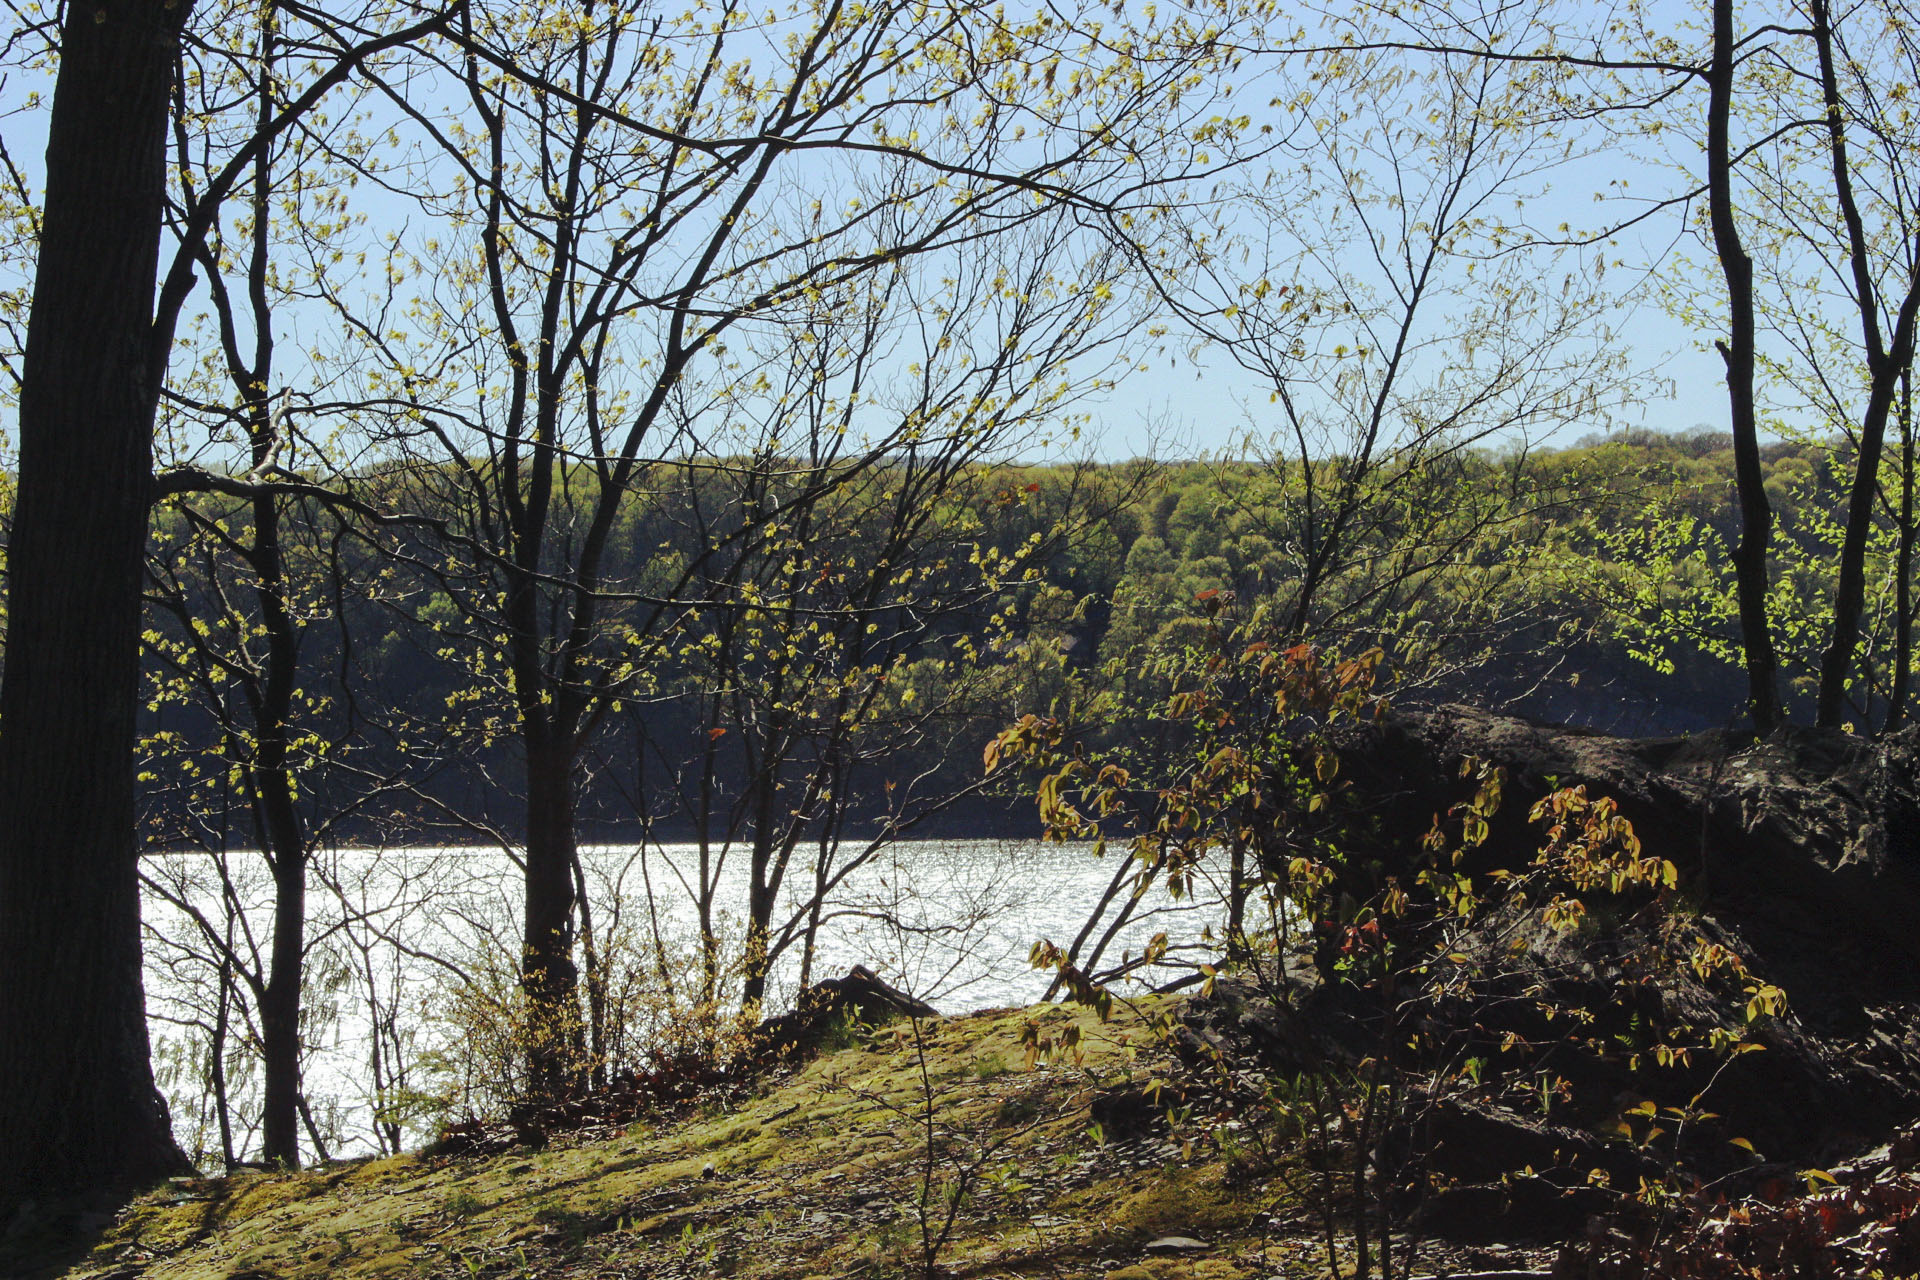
[[274, 784], [768, 865], [280, 1001], [78, 1106], [1885, 367], [1756, 513], [1850, 588], [1903, 567], [548, 976]]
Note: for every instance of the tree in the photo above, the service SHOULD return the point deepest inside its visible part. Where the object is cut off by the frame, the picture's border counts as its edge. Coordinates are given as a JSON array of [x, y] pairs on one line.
[[98, 341], [1802, 192], [264, 740], [629, 222], [1808, 218], [821, 661], [1405, 322], [78, 1107], [1844, 258], [1738, 351]]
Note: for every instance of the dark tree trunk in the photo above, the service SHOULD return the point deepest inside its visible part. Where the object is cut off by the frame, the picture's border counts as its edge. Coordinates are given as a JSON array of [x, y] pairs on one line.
[[217, 1055], [769, 856], [274, 786], [1903, 566], [78, 1107], [283, 834], [1850, 588], [548, 975], [753, 986], [1756, 513], [280, 1002], [1885, 368], [1237, 900]]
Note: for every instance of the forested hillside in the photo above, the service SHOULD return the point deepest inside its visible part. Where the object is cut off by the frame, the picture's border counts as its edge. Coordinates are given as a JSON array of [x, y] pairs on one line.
[[1586, 584]]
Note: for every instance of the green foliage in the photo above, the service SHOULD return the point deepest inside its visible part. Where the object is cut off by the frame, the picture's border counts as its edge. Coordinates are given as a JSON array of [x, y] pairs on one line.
[[1440, 959], [463, 1204], [1072, 600]]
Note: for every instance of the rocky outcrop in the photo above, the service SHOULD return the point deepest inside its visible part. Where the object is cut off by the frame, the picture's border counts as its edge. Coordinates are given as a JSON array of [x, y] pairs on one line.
[[1800, 853], [860, 997], [1806, 843]]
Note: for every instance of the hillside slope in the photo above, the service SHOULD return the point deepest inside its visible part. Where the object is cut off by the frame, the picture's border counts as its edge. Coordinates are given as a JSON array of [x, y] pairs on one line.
[[817, 1174]]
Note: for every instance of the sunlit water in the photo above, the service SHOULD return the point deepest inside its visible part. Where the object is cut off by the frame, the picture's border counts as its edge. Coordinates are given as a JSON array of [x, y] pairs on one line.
[[405, 944]]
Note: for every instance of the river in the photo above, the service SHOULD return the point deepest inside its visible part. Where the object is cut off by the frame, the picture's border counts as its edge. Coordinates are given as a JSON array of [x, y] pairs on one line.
[[411, 955]]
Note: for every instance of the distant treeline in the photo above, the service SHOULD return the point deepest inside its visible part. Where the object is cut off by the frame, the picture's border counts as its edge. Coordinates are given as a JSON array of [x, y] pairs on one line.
[[1585, 584]]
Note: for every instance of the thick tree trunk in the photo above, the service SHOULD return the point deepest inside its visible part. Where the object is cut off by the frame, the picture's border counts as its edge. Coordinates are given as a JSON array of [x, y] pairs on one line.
[[548, 975], [1756, 513], [78, 1107]]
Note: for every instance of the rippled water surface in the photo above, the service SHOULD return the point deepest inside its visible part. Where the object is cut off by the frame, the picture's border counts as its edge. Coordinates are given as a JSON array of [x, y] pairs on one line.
[[398, 938]]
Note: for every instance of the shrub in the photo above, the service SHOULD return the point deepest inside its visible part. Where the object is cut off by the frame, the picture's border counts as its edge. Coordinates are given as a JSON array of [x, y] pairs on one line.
[[1428, 983]]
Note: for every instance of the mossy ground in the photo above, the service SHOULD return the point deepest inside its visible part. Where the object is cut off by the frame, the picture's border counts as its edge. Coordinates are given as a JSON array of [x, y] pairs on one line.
[[816, 1176]]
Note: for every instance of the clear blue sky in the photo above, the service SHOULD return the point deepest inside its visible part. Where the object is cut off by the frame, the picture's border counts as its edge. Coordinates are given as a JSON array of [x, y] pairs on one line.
[[1187, 401]]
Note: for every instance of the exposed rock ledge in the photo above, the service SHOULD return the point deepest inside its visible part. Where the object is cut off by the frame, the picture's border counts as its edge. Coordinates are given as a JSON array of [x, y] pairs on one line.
[[1800, 852], [1807, 842]]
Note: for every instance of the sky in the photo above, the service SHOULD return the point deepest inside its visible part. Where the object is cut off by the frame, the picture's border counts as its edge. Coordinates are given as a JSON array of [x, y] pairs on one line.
[[1187, 404], [1188, 397]]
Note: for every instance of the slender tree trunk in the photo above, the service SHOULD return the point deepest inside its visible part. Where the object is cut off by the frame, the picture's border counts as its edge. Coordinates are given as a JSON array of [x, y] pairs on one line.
[[1121, 875], [1903, 616], [1903, 567], [280, 1003], [826, 846], [763, 887], [274, 784], [1885, 365], [709, 868], [217, 1054], [810, 935], [599, 1035], [78, 1107], [1756, 513], [1850, 589], [286, 840], [548, 975], [313, 1132], [1237, 948], [753, 986]]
